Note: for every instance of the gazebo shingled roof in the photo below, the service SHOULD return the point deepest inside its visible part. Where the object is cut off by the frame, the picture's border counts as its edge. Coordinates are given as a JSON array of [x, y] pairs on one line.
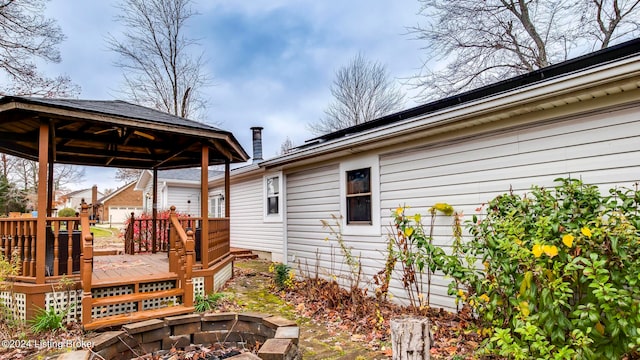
[[111, 134]]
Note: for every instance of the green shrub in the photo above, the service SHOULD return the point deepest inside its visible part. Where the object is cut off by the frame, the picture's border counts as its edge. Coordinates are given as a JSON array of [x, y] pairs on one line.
[[560, 274], [67, 212], [283, 275]]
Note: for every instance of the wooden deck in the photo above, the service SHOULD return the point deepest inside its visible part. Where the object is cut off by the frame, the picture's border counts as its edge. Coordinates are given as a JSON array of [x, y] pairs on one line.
[[119, 268]]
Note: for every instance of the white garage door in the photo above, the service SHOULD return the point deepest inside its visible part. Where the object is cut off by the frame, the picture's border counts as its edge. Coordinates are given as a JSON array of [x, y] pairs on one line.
[[118, 215]]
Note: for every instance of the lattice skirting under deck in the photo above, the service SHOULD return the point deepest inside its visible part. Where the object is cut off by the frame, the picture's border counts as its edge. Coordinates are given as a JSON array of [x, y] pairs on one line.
[[14, 304]]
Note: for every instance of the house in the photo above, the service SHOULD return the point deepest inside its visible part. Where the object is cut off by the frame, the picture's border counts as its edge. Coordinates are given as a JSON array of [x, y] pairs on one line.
[[91, 195], [579, 118], [118, 205], [176, 187], [72, 199]]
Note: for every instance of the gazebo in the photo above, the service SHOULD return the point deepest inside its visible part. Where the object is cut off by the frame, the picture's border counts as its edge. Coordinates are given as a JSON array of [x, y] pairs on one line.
[[120, 135]]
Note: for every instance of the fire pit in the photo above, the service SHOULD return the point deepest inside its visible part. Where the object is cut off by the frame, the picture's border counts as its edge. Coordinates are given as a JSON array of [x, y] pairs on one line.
[[273, 337]]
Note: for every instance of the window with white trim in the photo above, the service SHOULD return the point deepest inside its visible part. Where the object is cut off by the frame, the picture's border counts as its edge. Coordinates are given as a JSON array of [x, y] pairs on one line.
[[216, 205], [273, 197], [360, 196]]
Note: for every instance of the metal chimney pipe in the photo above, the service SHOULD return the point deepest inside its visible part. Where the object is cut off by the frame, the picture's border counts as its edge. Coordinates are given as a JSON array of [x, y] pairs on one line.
[[257, 143]]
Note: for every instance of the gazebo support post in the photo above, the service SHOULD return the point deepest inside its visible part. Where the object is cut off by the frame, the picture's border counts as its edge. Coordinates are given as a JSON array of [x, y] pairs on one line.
[[204, 207], [154, 212], [41, 222]]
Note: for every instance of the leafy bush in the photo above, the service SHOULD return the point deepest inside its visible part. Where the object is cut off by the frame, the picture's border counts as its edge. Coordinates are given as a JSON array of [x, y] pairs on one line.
[[560, 273], [411, 245], [283, 275], [66, 212]]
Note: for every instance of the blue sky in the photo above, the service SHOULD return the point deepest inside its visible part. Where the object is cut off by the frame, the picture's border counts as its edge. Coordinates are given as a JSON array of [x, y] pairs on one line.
[[272, 61]]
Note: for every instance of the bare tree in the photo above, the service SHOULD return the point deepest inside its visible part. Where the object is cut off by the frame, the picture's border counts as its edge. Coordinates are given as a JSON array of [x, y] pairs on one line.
[[286, 146], [472, 43], [158, 65], [26, 35], [127, 175], [362, 92], [25, 175]]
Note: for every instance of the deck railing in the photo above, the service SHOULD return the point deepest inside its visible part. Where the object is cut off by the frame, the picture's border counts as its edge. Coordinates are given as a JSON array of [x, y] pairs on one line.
[[209, 249], [182, 256], [63, 246]]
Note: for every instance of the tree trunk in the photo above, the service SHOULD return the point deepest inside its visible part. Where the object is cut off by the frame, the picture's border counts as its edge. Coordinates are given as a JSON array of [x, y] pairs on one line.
[[410, 338]]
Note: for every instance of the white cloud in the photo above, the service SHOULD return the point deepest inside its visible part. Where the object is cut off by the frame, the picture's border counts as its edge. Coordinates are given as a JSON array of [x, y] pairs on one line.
[[272, 61]]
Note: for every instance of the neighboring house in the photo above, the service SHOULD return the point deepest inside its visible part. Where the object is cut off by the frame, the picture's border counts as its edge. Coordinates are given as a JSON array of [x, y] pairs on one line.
[[118, 205], [73, 199], [179, 188], [579, 118]]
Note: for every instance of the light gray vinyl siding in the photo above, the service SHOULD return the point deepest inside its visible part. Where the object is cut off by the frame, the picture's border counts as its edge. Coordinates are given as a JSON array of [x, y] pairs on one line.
[[248, 228], [602, 149], [314, 195], [185, 199]]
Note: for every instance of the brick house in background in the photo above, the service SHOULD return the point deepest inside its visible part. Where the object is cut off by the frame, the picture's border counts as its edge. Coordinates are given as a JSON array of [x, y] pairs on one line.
[[118, 205]]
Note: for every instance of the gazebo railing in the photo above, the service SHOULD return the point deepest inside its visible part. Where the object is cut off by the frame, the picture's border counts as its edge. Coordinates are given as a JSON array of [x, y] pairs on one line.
[[63, 246], [208, 249]]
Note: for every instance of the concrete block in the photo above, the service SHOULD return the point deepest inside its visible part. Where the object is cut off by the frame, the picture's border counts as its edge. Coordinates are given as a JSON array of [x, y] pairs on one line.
[[288, 332], [206, 325], [275, 322], [185, 329], [220, 316], [183, 319], [155, 335], [209, 337], [105, 339], [275, 349], [141, 326]]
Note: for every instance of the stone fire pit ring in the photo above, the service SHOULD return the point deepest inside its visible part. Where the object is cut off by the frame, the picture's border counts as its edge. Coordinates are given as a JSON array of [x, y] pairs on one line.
[[278, 336]]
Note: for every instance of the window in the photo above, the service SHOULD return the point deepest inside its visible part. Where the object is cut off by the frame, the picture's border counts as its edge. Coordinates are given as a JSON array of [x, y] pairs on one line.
[[273, 197], [216, 206], [273, 194], [358, 196]]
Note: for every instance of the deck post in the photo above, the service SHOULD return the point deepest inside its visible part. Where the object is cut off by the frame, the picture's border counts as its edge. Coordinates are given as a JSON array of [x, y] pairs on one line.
[[86, 270], [41, 232], [227, 188], [204, 208], [173, 261], [188, 271], [154, 212]]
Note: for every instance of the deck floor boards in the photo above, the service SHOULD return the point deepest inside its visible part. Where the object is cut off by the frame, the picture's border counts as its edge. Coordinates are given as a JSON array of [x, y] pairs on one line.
[[123, 267]]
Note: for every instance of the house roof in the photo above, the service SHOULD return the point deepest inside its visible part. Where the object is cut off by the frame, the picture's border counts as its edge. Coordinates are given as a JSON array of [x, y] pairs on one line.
[[111, 134], [115, 192], [608, 71], [76, 192], [192, 174], [612, 53]]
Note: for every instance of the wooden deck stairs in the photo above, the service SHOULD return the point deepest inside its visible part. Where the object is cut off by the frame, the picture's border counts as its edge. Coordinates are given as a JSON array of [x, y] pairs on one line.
[[241, 254], [132, 300]]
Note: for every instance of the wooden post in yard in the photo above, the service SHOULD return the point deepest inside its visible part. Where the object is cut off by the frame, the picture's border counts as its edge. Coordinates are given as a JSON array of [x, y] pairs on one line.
[[41, 222], [204, 208], [188, 269], [410, 338]]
